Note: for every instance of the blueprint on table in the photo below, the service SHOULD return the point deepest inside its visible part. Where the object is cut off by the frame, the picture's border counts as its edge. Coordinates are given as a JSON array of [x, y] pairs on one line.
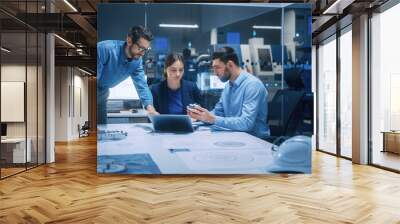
[[127, 164]]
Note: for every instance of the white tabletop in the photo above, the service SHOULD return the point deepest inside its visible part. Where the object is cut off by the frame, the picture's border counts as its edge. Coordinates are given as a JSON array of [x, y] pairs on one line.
[[203, 151], [13, 140]]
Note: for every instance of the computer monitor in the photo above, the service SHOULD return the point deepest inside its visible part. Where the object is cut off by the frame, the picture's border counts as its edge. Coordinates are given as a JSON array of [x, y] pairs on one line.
[[125, 90], [3, 130], [262, 60], [216, 83], [265, 59]]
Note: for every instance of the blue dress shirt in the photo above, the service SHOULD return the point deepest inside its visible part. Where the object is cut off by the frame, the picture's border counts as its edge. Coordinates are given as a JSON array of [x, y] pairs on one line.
[[243, 107], [175, 105], [114, 67]]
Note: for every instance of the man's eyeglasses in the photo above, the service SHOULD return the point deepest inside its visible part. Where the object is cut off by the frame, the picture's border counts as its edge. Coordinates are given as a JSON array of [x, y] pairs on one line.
[[143, 49]]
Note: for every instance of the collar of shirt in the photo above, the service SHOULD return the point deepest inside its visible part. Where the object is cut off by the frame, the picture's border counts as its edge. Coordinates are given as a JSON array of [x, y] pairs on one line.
[[122, 53], [239, 80], [174, 91]]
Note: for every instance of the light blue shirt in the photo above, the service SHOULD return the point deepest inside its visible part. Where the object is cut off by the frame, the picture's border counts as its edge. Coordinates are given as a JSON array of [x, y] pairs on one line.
[[243, 107], [114, 67]]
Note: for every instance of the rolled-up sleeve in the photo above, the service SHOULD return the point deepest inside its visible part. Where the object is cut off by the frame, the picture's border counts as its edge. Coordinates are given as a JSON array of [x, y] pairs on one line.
[[102, 58], [246, 121], [141, 86]]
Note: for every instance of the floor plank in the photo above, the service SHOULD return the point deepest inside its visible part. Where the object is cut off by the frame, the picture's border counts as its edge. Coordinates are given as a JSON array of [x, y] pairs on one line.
[[70, 191]]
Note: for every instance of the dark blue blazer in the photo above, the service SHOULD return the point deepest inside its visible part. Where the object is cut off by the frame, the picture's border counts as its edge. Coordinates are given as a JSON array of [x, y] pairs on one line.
[[190, 94]]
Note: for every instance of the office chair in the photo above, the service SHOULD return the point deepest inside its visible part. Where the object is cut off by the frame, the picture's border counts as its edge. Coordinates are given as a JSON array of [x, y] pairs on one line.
[[285, 111], [84, 130]]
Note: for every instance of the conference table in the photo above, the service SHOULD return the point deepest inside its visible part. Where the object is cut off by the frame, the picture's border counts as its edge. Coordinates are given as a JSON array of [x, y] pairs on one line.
[[203, 151]]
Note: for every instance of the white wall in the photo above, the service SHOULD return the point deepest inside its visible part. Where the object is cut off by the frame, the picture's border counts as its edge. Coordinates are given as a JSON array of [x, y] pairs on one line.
[[80, 111], [33, 127], [61, 103], [16, 72], [71, 102]]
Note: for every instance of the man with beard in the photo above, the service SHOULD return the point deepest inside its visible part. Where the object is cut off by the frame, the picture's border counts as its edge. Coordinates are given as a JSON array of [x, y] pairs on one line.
[[243, 103], [116, 61]]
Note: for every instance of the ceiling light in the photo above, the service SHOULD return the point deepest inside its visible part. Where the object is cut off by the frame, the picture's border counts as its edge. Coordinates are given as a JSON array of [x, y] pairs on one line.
[[84, 71], [337, 7], [194, 26], [267, 27], [70, 5], [331, 7], [64, 40], [5, 50]]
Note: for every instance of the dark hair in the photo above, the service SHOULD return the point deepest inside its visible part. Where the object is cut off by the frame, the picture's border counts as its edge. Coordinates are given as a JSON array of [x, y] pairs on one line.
[[226, 54], [171, 59], [137, 32]]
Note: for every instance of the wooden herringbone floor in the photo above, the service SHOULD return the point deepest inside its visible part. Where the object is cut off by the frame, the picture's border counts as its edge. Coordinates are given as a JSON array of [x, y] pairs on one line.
[[70, 191]]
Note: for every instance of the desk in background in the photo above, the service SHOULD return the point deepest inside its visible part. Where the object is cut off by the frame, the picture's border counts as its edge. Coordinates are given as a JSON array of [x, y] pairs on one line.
[[200, 152], [391, 141], [128, 117], [13, 150]]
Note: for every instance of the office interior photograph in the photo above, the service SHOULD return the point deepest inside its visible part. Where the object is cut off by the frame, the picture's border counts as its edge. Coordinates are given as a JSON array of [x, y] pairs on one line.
[[277, 52], [49, 115]]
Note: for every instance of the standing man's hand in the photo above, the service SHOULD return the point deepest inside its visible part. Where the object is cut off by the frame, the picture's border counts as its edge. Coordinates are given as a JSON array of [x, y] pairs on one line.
[[151, 110], [201, 114]]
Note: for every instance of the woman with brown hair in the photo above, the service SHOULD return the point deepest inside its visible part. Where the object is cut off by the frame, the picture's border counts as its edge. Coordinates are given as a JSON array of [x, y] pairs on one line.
[[174, 94]]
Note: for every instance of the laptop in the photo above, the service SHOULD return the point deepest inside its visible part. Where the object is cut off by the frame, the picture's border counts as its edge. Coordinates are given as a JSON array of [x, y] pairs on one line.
[[172, 123]]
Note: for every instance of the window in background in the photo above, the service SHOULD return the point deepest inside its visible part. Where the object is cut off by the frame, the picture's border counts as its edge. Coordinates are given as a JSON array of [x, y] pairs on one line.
[[385, 87], [327, 95], [346, 92]]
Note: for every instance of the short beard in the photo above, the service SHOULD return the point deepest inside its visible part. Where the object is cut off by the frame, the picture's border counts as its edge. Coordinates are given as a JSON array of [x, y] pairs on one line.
[[129, 55], [225, 77]]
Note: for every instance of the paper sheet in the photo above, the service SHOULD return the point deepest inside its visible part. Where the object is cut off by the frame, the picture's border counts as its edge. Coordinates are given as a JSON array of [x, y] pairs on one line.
[[226, 159]]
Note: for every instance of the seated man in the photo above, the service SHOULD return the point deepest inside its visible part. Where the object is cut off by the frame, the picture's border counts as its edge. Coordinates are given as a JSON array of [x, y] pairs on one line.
[[243, 103]]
